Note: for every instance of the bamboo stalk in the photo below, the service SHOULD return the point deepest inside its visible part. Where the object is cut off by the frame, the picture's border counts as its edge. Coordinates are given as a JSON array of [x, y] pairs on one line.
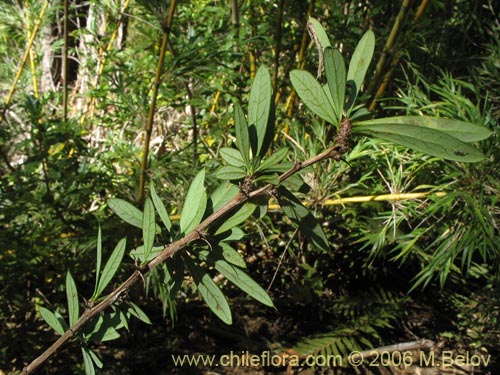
[[166, 27], [389, 44]]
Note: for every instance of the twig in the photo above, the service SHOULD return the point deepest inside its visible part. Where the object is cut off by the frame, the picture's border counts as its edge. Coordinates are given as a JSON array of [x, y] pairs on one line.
[[170, 250]]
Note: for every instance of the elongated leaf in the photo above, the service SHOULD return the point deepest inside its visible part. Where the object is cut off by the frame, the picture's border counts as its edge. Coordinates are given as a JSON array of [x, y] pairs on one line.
[[87, 361], [160, 208], [274, 159], [312, 94], [243, 281], [320, 32], [301, 217], [423, 139], [139, 254], [194, 204], [242, 136], [462, 130], [148, 226], [111, 266], [210, 292], [223, 194], [126, 211], [336, 78], [138, 313], [232, 157], [237, 218], [361, 59], [72, 298], [97, 361], [230, 172], [231, 255], [259, 106], [99, 261], [51, 319]]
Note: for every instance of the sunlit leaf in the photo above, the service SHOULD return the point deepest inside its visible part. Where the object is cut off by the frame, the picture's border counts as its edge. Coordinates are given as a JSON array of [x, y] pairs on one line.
[[237, 218], [319, 32], [138, 313], [241, 131], [223, 194], [126, 211], [97, 361], [274, 159], [160, 208], [336, 78], [148, 226], [139, 254], [194, 204], [423, 139], [72, 298], [232, 157], [361, 59], [243, 281], [301, 217], [51, 319], [259, 108], [312, 94], [99, 261], [111, 266], [231, 255], [462, 130], [87, 361], [210, 292], [230, 172]]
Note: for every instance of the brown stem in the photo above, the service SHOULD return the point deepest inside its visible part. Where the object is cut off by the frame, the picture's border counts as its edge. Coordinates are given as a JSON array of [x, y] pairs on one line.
[[335, 152]]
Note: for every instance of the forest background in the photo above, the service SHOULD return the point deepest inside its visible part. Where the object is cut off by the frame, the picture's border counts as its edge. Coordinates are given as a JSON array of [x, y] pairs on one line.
[[81, 123]]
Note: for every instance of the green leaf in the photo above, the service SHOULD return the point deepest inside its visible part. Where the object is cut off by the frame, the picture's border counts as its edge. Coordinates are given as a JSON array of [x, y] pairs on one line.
[[210, 292], [87, 361], [231, 255], [105, 328], [230, 172], [148, 226], [336, 78], [243, 281], [259, 107], [111, 267], [138, 313], [72, 297], [97, 361], [99, 261], [139, 254], [242, 135], [312, 94], [301, 217], [319, 32], [126, 211], [223, 194], [237, 218], [423, 139], [462, 130], [194, 204], [274, 159], [160, 208], [232, 157], [361, 59], [51, 319]]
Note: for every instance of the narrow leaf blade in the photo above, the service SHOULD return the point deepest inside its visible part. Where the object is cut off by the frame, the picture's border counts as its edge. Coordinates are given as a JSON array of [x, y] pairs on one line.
[[126, 211], [160, 208], [50, 318], [194, 204], [242, 135], [259, 105], [336, 78], [237, 218], [72, 298], [99, 261], [210, 292], [112, 265], [361, 59], [243, 281], [232, 157]]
